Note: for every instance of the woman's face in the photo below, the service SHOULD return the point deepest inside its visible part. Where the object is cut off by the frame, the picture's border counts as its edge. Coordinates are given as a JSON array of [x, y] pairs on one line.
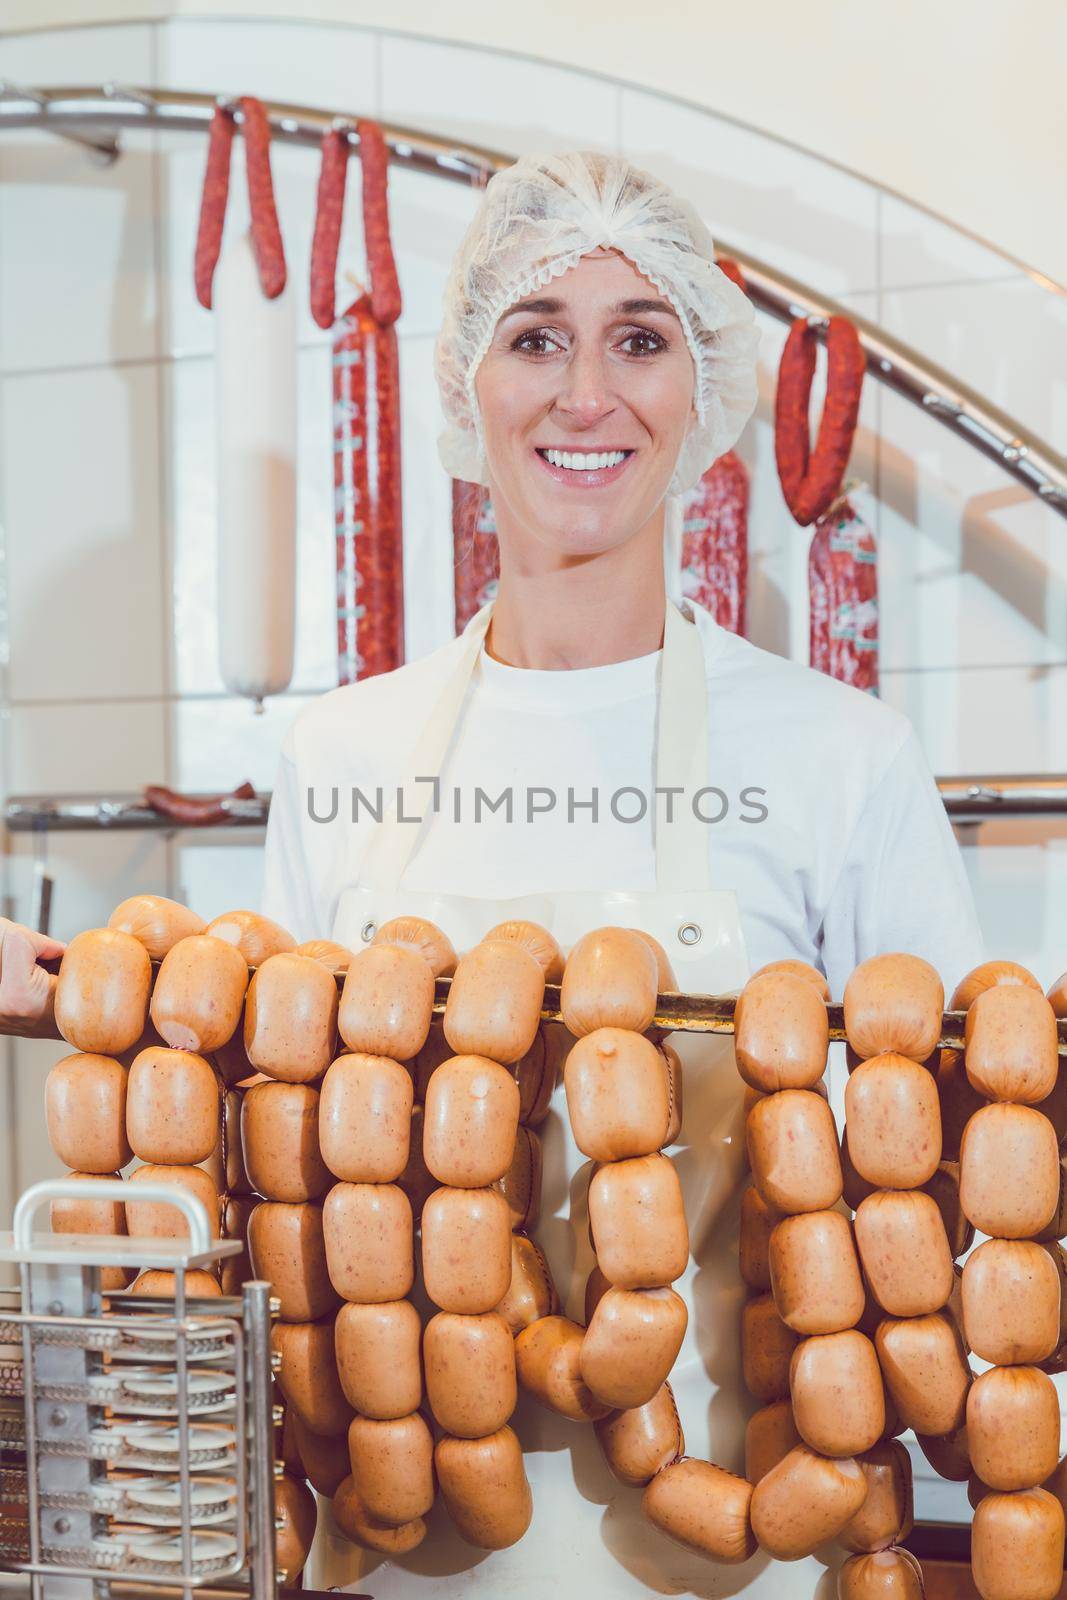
[[586, 395]]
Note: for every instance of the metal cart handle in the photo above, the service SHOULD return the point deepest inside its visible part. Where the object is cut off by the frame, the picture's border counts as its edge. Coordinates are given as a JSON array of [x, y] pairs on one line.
[[29, 1203]]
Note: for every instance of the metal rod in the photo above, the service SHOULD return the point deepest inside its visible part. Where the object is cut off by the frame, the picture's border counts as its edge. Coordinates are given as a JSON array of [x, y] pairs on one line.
[[260, 1440], [1019, 452], [981, 798]]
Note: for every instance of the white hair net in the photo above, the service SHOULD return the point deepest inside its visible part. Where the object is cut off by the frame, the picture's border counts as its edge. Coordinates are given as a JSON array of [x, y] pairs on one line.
[[536, 221]]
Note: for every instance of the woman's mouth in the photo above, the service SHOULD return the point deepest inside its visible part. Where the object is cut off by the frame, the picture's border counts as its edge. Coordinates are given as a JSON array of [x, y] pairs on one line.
[[585, 469]]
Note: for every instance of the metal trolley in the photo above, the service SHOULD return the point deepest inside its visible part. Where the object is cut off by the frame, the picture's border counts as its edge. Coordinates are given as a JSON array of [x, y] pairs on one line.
[[136, 1434]]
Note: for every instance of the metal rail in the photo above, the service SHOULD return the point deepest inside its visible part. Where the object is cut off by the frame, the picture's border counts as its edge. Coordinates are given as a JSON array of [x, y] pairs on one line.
[[94, 115], [983, 798]]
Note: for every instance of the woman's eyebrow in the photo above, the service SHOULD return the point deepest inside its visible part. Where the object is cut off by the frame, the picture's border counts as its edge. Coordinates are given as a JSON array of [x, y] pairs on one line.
[[641, 308], [543, 308]]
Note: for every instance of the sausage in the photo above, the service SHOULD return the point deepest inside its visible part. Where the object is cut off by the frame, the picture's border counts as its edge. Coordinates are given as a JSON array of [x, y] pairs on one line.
[[194, 811], [213, 199], [357, 1524], [675, 1088], [466, 1249], [101, 994], [367, 495], [925, 1371], [638, 1224], [470, 1373], [325, 1460], [666, 982], [1017, 1546], [88, 1216], [494, 1001], [392, 1466], [198, 1284], [152, 1219], [423, 1066], [416, 1180], [781, 1033], [535, 1074], [381, 265], [334, 957], [537, 940], [815, 1274], [793, 1151], [947, 1453], [296, 1514], [521, 1183], [609, 982], [235, 1175], [329, 208], [631, 1344], [894, 1122], [767, 1346], [801, 969], [485, 1488], [596, 1287], [854, 1189], [155, 922], [369, 1235], [475, 552], [424, 937], [387, 1002], [364, 1127], [703, 1507], [290, 1024], [882, 1575], [770, 1434], [531, 1293], [757, 1222], [836, 1388], [1057, 995], [986, 976], [944, 1190], [843, 598], [618, 1096], [958, 1101], [548, 1363], [1013, 1427], [266, 234], [1011, 1302], [1009, 1171], [472, 1119], [172, 1107], [894, 1003], [198, 994], [286, 1246], [804, 1501], [715, 542], [905, 1252], [280, 1137], [379, 1358], [236, 1215], [85, 1108], [254, 936], [308, 1377], [640, 1442], [1010, 1044], [811, 478]]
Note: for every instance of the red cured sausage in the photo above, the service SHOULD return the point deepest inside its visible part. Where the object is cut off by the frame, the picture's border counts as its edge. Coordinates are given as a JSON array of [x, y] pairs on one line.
[[266, 234], [381, 263], [715, 541], [811, 479], [475, 552], [213, 199], [843, 599], [195, 810], [367, 505], [329, 208]]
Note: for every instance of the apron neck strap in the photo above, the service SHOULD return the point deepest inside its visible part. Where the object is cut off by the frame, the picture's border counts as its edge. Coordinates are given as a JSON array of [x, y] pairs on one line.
[[681, 762]]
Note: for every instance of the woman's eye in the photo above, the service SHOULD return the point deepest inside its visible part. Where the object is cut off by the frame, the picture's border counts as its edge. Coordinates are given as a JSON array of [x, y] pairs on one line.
[[643, 342], [536, 342]]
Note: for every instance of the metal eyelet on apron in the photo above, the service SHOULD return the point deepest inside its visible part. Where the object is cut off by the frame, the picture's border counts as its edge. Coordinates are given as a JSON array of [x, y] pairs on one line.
[[690, 933], [367, 932]]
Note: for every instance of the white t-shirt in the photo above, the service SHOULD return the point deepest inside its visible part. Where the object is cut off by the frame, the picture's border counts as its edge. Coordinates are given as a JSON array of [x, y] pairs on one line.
[[832, 832]]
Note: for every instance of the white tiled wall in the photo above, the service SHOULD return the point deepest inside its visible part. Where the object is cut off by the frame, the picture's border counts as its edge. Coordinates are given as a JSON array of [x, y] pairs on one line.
[[106, 440]]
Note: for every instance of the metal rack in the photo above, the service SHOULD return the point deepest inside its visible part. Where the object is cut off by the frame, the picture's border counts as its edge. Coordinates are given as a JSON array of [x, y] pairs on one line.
[[94, 115], [146, 1429]]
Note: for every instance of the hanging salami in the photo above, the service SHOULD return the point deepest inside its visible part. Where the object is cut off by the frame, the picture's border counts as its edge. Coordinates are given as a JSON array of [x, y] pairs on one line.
[[476, 555], [367, 503], [843, 589], [266, 233], [329, 208], [381, 263], [715, 542], [213, 200], [811, 479]]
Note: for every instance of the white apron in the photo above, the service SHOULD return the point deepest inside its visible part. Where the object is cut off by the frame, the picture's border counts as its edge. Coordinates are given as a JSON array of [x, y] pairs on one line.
[[588, 1539]]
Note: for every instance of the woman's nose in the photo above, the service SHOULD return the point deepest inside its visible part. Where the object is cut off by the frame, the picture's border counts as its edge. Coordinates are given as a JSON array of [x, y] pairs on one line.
[[584, 395]]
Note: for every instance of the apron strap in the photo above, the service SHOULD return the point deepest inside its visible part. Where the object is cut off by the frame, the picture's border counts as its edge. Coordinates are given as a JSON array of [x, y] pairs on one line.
[[681, 762]]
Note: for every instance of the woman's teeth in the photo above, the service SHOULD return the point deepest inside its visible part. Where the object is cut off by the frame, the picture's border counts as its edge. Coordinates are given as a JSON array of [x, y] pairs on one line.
[[575, 461]]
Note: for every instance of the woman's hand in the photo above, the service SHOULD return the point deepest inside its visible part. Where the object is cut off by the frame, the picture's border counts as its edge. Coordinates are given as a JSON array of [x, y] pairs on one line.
[[27, 990]]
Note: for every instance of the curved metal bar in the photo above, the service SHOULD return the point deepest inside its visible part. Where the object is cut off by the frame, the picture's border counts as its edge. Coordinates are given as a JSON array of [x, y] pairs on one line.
[[79, 111]]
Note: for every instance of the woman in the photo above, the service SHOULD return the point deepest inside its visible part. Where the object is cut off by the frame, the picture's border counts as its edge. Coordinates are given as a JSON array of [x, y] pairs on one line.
[[583, 755], [593, 362]]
